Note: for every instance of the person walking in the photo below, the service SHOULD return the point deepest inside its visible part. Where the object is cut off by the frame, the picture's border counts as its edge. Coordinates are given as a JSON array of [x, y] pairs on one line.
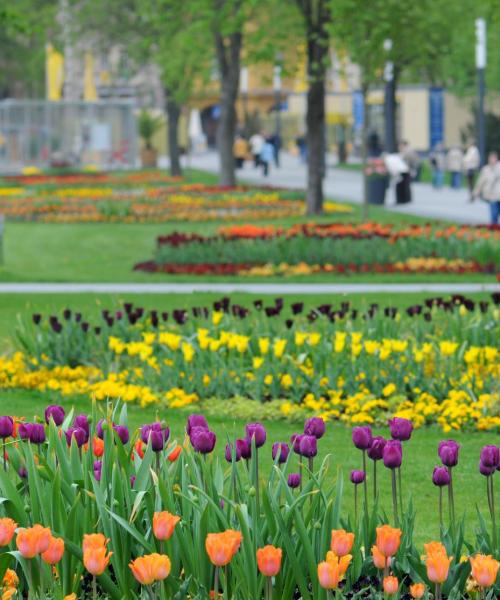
[[257, 142], [240, 151], [411, 158], [487, 187], [266, 157], [472, 161], [454, 163], [438, 161], [300, 142]]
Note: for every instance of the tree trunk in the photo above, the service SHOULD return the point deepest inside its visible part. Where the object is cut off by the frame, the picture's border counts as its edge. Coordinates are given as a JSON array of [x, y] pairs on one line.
[[317, 17], [391, 109], [173, 115], [364, 151], [228, 51]]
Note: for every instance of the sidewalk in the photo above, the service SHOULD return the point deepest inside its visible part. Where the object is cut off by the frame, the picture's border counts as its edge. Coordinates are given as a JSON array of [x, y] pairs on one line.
[[345, 184]]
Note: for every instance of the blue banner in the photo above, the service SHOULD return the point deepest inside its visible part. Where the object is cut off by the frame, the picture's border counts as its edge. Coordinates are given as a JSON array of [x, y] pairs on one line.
[[436, 116], [358, 116]]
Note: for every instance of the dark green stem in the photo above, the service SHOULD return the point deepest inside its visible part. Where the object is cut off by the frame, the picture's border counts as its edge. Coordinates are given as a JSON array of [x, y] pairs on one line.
[[374, 481], [394, 497], [493, 515], [440, 509], [216, 582], [365, 483], [94, 588], [400, 491]]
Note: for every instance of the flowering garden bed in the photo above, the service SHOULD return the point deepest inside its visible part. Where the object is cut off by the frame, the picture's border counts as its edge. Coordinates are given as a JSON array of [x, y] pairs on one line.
[[123, 514], [324, 248]]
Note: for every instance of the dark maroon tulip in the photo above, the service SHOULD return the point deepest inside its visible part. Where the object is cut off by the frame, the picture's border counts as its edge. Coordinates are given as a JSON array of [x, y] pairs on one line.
[[280, 450], [56, 412], [122, 432], [297, 308], [232, 454], [362, 437], [485, 469], [294, 480], [157, 434], [376, 450], [76, 433], [441, 476], [196, 421], [256, 431], [295, 441], [244, 447], [393, 454], [401, 429], [448, 452], [308, 446], [357, 477], [37, 434], [24, 430], [202, 440], [23, 473], [490, 456], [97, 469], [315, 426], [82, 421], [132, 480], [6, 427], [99, 429], [37, 318]]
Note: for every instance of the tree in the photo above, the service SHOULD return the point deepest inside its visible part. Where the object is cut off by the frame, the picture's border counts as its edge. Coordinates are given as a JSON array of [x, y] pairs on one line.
[[316, 16]]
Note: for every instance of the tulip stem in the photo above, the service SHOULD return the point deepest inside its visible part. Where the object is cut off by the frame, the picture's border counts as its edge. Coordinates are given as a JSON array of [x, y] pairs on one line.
[[4, 455], [257, 494], [94, 588], [400, 491], [451, 500], [216, 582], [269, 588], [438, 592], [356, 504], [374, 481], [493, 515], [365, 484], [440, 508], [395, 497], [300, 471]]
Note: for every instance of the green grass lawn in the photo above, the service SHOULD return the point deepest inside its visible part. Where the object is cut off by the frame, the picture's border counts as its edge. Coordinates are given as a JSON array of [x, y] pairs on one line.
[[420, 456]]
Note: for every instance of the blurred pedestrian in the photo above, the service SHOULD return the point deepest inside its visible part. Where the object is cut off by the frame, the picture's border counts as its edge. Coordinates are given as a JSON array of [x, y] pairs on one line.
[[454, 162], [276, 142], [400, 174], [487, 187], [240, 151], [438, 162], [411, 158], [300, 141], [257, 142], [472, 161], [266, 157]]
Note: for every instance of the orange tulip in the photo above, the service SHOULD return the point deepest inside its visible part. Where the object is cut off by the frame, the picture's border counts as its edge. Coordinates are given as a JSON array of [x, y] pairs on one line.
[[70, 597], [269, 560], [341, 542], [139, 448], [221, 547], [391, 585], [174, 455], [417, 590], [379, 560], [33, 540], [164, 524], [484, 569], [150, 568], [342, 562], [388, 540], [96, 560], [98, 447], [437, 562], [7, 530], [93, 540], [54, 552], [10, 579], [8, 593], [331, 571]]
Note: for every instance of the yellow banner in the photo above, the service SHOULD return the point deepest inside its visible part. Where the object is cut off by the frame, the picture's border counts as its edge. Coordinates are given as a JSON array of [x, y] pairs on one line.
[[54, 67]]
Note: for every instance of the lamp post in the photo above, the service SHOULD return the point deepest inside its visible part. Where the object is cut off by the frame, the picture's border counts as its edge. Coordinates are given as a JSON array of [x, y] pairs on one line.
[[277, 103], [389, 102], [481, 88], [244, 95]]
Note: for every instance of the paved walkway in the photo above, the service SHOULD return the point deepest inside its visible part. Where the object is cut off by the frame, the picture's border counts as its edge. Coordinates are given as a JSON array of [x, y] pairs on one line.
[[252, 288], [345, 184]]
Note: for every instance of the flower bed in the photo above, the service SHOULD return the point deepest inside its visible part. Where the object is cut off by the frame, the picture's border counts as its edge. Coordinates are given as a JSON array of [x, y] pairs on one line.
[[313, 248], [96, 510], [143, 197], [339, 362]]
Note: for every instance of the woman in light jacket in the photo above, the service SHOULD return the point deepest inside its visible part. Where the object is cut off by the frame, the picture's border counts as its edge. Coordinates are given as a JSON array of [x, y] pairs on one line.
[[488, 186]]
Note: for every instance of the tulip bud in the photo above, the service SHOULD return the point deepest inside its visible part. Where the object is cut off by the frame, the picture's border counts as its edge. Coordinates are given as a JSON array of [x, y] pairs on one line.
[[294, 480], [280, 450], [315, 426], [55, 412], [401, 429], [362, 437], [357, 477], [441, 476], [448, 452], [393, 454], [490, 456], [376, 450], [256, 431]]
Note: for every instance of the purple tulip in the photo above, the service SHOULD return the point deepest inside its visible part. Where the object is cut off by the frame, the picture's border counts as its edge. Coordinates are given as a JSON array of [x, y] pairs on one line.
[[157, 434], [82, 421], [24, 430], [294, 480], [6, 427], [362, 437], [401, 429], [448, 452], [203, 440], [485, 469], [490, 456], [98, 470], [376, 450], [280, 450], [393, 454], [231, 454], [196, 421], [440, 476], [308, 446], [34, 432], [23, 473], [315, 426], [122, 432], [256, 431], [244, 447], [56, 412], [99, 428], [295, 441], [358, 477], [132, 480], [76, 433]]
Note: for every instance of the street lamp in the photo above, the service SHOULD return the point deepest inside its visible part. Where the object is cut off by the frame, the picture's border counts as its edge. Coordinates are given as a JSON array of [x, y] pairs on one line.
[[481, 88], [389, 102], [277, 97]]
